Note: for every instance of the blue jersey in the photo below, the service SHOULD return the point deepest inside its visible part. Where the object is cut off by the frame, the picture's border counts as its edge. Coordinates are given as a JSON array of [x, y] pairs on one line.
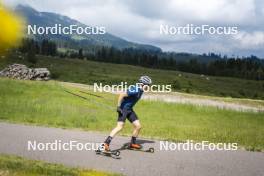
[[134, 94]]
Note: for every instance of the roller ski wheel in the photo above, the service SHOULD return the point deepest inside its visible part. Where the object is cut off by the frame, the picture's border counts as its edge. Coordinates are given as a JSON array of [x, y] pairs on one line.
[[112, 153], [109, 152], [128, 146]]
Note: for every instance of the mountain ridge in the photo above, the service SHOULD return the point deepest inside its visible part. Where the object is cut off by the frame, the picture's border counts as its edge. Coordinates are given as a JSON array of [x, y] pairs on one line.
[[44, 19]]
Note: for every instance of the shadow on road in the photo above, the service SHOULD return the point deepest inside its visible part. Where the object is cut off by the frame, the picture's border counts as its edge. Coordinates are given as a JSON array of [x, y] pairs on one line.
[[143, 141], [139, 141]]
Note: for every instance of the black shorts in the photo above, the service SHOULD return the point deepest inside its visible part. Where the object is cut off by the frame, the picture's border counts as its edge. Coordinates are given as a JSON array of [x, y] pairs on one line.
[[127, 114]]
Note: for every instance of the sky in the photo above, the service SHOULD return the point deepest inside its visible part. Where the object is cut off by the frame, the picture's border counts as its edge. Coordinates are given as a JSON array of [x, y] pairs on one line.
[[139, 21]]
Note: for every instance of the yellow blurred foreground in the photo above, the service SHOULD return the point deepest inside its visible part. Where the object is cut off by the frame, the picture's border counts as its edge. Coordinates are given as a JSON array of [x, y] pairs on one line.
[[11, 29]]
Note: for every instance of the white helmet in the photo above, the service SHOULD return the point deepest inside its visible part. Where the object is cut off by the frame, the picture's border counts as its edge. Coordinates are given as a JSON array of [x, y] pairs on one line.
[[145, 80]]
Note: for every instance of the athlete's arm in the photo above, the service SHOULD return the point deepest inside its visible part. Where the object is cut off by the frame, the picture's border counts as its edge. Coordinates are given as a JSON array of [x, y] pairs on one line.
[[120, 98]]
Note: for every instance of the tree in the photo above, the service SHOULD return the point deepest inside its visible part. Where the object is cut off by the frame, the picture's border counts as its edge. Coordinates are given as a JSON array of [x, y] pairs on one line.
[[31, 55], [80, 54], [48, 48]]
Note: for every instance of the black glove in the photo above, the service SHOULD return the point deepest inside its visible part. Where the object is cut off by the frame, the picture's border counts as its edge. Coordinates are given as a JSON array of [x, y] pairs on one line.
[[119, 110]]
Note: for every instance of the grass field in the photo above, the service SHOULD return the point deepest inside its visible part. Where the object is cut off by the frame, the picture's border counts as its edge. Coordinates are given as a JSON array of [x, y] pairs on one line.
[[46, 103], [17, 166], [89, 72]]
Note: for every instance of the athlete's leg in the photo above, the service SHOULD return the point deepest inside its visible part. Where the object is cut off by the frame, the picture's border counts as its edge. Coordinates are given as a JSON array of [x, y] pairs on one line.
[[120, 124], [117, 129], [135, 122], [137, 128]]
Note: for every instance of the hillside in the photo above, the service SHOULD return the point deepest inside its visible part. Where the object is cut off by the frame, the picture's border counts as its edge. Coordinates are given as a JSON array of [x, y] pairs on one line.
[[89, 72], [44, 19]]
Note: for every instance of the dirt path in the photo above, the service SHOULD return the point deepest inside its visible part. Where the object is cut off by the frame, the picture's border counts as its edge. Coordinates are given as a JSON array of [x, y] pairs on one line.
[[243, 105], [178, 98]]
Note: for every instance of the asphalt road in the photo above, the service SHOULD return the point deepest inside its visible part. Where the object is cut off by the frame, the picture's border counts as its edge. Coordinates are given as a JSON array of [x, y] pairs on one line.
[[14, 140]]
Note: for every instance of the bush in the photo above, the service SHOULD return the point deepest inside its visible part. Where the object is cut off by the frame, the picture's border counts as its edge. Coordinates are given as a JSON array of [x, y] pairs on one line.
[[31, 57], [54, 75], [255, 95], [176, 85], [222, 94], [242, 92], [188, 90]]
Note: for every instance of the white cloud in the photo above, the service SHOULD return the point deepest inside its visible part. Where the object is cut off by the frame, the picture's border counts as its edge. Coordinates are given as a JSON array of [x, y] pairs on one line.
[[224, 11], [211, 11], [139, 20], [251, 40]]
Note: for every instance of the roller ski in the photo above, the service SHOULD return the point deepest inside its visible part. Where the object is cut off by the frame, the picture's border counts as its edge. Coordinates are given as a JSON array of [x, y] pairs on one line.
[[137, 147], [105, 151]]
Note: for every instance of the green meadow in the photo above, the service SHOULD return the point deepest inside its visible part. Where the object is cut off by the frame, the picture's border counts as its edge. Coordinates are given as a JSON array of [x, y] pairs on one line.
[[48, 104], [89, 72], [17, 166]]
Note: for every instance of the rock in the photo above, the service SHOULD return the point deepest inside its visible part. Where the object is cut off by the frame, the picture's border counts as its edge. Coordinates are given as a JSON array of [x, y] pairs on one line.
[[19, 71]]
